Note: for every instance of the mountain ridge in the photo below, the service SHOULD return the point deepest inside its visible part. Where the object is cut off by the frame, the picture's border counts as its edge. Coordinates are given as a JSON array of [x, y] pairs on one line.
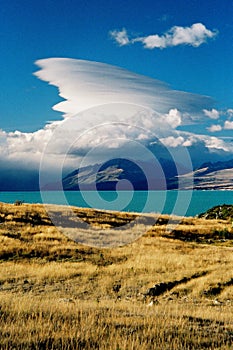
[[124, 175], [210, 175]]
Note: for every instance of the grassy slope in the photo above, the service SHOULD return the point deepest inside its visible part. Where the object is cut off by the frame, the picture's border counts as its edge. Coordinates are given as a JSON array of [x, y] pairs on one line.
[[58, 294]]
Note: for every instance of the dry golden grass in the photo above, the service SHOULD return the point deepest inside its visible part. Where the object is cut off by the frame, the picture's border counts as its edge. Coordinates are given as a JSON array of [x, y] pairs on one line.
[[58, 294]]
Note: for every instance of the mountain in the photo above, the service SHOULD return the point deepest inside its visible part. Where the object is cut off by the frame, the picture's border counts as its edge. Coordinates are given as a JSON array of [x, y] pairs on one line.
[[210, 176], [141, 176]]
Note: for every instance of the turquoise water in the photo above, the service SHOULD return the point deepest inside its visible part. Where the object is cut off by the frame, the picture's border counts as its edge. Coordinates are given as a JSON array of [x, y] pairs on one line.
[[185, 203]]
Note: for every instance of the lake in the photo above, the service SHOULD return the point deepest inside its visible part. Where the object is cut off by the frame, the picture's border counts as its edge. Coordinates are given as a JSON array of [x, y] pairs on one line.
[[184, 203]]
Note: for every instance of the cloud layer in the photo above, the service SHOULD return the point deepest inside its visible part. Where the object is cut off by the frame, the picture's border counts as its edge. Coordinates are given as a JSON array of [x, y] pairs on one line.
[[195, 35]]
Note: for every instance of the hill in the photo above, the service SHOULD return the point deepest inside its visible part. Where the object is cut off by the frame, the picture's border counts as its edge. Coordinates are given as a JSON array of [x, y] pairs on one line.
[[166, 290], [210, 176]]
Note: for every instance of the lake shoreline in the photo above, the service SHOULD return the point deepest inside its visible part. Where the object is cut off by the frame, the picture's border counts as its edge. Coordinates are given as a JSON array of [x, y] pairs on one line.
[[181, 203]]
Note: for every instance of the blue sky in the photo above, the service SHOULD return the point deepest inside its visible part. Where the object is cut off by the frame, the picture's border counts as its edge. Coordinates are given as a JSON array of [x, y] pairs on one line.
[[184, 44], [80, 29]]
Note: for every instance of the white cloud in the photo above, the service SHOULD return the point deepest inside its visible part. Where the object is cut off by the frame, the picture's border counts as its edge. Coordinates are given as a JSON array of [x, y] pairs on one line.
[[172, 141], [173, 118], [190, 141], [212, 114], [153, 41], [214, 128], [3, 141], [211, 143], [187, 139], [214, 143], [228, 125], [84, 84], [121, 37], [195, 35]]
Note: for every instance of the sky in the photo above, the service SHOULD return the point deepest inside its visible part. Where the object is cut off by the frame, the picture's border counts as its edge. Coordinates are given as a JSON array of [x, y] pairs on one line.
[[174, 57]]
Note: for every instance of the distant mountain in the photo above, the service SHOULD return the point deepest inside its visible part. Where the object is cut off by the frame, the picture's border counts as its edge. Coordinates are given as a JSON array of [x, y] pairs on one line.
[[141, 176], [210, 176], [220, 165]]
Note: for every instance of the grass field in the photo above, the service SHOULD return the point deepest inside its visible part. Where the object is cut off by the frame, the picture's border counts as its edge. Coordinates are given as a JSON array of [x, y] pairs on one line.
[[165, 290]]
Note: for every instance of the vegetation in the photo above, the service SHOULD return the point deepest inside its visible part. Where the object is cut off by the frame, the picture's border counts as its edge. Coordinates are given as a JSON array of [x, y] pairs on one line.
[[223, 212], [166, 290]]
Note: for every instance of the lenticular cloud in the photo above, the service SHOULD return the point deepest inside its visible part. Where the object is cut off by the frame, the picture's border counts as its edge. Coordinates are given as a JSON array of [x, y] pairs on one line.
[[85, 84]]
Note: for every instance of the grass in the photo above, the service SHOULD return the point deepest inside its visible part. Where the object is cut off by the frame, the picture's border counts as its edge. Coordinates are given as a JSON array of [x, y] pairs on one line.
[[59, 294]]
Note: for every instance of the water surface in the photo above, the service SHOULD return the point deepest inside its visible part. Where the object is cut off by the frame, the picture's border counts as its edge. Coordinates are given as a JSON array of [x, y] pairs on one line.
[[185, 203]]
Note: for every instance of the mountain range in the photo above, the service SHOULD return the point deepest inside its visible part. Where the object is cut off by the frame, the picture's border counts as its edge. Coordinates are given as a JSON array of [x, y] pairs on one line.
[[125, 175], [209, 176]]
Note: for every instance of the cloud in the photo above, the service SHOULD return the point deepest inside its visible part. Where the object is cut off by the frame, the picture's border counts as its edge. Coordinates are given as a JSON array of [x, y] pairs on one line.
[[214, 143], [187, 139], [104, 107], [230, 112], [121, 37], [173, 118], [214, 128], [212, 114], [228, 125], [172, 141], [211, 143], [24, 147], [84, 84], [195, 36]]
